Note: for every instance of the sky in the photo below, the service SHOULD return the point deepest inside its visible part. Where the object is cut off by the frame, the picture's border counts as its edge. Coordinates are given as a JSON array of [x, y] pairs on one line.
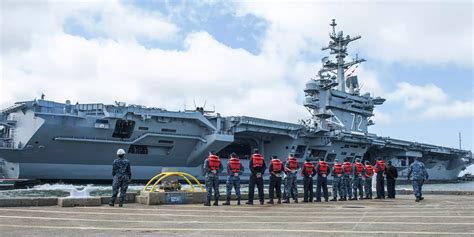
[[245, 58]]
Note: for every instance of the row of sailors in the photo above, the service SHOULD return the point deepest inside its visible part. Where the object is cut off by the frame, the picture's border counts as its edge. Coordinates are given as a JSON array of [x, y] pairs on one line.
[[348, 179]]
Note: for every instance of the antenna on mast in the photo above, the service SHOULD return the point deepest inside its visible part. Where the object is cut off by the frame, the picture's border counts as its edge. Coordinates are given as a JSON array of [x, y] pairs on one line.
[[333, 24], [338, 47], [201, 109], [460, 141]]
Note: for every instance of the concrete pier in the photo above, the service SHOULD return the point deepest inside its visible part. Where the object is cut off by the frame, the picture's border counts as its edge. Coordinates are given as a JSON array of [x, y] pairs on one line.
[[437, 215]]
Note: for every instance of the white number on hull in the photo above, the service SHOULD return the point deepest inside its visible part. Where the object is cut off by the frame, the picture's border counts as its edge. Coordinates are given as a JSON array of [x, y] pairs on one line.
[[354, 121]]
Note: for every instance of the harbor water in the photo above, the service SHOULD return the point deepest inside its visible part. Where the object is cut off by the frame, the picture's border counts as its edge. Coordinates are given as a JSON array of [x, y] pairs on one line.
[[64, 190]]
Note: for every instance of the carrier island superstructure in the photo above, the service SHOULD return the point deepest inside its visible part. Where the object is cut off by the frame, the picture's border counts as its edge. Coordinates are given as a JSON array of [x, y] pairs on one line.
[[46, 140]]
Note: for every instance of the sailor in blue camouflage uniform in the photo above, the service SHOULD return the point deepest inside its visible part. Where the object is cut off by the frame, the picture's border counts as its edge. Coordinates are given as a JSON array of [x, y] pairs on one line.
[[291, 188], [212, 168], [368, 174], [122, 176], [419, 175], [357, 173], [234, 170], [336, 173], [346, 180]]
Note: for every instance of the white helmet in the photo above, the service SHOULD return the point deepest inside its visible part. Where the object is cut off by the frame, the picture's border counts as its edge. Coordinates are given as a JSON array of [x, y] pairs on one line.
[[120, 152]]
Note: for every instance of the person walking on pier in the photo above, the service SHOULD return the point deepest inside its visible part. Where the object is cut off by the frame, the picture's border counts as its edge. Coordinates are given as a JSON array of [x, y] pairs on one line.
[[392, 176], [379, 169], [212, 168], [346, 179], [291, 188], [257, 167], [276, 170], [369, 172], [234, 170], [419, 175], [336, 173], [357, 173], [122, 175], [308, 172], [322, 169]]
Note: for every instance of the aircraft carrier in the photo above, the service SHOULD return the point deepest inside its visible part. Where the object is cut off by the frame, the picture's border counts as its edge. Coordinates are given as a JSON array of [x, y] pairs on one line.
[[47, 140]]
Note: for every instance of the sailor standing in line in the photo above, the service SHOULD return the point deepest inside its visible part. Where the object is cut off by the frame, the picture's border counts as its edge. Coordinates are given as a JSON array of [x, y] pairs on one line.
[[211, 169], [322, 169], [369, 172], [291, 188], [336, 173], [257, 167], [276, 170], [358, 172], [379, 169], [122, 176], [420, 175], [308, 172], [346, 179], [392, 175], [234, 170]]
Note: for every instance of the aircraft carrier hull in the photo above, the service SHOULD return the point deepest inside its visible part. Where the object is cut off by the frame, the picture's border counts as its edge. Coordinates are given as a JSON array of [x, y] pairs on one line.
[[52, 154]]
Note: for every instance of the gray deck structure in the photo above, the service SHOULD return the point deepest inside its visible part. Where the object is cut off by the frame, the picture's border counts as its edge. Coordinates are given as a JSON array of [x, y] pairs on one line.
[[47, 140]]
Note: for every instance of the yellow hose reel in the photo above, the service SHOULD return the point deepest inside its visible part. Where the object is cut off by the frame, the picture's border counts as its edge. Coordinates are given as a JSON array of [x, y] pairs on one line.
[[151, 185]]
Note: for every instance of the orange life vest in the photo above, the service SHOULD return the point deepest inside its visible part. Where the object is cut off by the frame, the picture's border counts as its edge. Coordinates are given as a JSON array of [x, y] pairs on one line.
[[347, 167], [369, 171], [234, 165], [214, 162], [276, 165], [337, 168], [323, 167], [380, 167], [359, 168], [257, 160], [308, 168], [293, 163]]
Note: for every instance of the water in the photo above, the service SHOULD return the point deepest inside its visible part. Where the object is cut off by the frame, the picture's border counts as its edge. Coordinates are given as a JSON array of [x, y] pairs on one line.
[[464, 186], [469, 169], [65, 190]]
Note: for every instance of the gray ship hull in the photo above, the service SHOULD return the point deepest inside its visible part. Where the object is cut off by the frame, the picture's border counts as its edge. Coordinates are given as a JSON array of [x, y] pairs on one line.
[[50, 154], [100, 173]]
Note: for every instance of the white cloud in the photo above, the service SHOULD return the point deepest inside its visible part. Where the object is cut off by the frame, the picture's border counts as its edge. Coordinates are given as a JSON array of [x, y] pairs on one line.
[[415, 97], [23, 23], [382, 118], [116, 21], [102, 70], [454, 110], [435, 33], [369, 82], [430, 102], [115, 67]]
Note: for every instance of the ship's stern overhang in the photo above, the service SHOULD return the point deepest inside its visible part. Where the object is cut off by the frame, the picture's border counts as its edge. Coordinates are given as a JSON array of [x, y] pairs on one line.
[[9, 169]]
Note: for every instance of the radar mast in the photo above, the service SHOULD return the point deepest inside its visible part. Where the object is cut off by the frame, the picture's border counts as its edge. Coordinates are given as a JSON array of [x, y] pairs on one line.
[[331, 106], [338, 47]]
